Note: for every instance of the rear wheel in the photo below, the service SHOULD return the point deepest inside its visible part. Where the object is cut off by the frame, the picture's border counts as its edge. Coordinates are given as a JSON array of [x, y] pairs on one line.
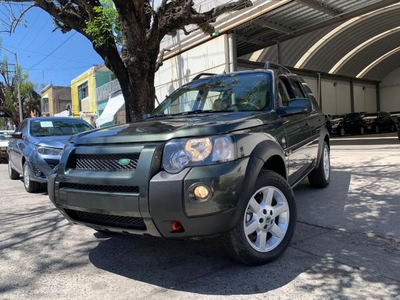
[[320, 176], [377, 129], [30, 186], [267, 224], [362, 130], [342, 132], [12, 173]]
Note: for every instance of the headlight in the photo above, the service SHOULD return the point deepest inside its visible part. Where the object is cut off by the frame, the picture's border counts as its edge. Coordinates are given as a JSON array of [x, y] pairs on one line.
[[181, 153], [49, 151]]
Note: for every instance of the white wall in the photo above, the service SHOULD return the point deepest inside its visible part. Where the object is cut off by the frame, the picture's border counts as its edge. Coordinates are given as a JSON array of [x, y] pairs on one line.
[[390, 91], [336, 96], [365, 98], [210, 57]]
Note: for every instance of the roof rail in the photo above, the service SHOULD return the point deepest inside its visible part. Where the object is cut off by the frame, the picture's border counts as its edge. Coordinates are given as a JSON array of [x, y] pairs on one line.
[[203, 74], [272, 65]]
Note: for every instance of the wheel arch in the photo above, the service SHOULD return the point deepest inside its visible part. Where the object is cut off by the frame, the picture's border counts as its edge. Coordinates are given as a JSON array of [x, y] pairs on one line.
[[267, 155], [271, 153]]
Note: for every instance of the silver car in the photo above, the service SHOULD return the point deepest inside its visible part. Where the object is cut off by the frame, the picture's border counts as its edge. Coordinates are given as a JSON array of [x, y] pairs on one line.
[[35, 148]]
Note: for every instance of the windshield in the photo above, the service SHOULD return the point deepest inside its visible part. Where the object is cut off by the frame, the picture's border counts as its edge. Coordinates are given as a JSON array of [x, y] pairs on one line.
[[236, 92], [58, 127]]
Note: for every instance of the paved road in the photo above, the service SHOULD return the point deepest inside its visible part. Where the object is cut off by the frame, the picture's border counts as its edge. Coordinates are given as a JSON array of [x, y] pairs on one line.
[[346, 246]]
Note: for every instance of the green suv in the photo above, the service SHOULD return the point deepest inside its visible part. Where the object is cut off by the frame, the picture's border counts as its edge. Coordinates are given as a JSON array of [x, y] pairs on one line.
[[219, 156]]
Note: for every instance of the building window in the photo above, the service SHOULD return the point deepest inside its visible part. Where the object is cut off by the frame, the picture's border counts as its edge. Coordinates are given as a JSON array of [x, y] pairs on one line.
[[83, 91], [44, 104]]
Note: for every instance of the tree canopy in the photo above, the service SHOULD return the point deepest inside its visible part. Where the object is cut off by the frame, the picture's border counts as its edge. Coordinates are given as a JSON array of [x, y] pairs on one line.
[[10, 78], [127, 35]]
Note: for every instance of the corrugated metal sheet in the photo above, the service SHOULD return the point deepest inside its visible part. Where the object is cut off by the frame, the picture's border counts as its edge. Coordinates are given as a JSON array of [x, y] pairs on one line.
[[299, 24], [389, 64]]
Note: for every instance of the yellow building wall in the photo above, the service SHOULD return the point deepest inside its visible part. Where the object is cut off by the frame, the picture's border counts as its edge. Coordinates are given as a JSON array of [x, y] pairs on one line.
[[90, 108]]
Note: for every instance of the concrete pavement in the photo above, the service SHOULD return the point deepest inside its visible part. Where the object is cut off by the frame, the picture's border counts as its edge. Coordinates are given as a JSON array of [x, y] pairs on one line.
[[346, 246]]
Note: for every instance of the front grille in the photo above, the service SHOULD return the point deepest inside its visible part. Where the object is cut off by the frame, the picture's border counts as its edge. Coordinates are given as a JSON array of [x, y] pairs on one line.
[[107, 220], [100, 188], [106, 162]]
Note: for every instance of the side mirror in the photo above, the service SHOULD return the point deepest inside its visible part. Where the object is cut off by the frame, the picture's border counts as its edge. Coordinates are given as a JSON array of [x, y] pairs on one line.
[[16, 135], [303, 103], [296, 106]]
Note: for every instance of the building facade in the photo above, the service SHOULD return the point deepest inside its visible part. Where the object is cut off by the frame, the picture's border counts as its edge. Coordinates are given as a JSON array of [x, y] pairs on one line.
[[55, 99]]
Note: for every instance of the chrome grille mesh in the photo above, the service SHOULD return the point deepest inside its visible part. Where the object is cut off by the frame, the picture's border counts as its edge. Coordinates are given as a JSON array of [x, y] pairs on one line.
[[106, 162]]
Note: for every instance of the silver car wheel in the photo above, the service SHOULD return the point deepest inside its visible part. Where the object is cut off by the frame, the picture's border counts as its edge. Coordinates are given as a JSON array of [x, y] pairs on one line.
[[326, 162], [27, 178], [266, 219]]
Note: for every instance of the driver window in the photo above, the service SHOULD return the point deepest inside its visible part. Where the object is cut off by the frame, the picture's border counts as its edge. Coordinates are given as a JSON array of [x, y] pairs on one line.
[[283, 93]]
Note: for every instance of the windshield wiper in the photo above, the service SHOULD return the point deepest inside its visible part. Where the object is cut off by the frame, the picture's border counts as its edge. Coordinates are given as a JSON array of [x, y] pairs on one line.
[[156, 116], [200, 111]]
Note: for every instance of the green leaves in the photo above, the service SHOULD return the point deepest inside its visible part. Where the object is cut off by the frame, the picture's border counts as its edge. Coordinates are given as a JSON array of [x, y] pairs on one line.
[[103, 26]]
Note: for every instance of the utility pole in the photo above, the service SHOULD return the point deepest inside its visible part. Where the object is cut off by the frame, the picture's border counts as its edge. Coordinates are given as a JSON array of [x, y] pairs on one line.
[[18, 82]]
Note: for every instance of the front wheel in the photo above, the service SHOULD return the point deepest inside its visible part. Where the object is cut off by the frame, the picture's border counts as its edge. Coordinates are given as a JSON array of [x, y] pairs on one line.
[[320, 176], [30, 185], [342, 132], [362, 130], [11, 172], [267, 224]]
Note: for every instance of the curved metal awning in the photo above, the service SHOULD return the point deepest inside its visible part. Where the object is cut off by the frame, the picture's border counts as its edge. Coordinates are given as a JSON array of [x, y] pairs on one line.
[[355, 38]]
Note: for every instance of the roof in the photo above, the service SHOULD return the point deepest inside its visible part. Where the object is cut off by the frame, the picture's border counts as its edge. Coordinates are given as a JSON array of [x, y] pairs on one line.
[[356, 38]]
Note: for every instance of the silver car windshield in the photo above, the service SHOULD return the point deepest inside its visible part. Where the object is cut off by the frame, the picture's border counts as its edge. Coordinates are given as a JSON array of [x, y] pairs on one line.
[[236, 92], [58, 127]]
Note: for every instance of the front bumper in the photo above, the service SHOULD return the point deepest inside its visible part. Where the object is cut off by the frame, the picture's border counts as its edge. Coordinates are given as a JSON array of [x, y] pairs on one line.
[[41, 166], [130, 203]]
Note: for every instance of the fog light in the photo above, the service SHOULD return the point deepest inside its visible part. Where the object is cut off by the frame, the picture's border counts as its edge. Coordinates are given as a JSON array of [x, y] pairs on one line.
[[201, 192]]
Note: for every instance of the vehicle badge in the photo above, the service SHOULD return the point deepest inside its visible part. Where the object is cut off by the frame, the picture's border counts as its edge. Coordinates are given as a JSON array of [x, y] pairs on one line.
[[124, 161]]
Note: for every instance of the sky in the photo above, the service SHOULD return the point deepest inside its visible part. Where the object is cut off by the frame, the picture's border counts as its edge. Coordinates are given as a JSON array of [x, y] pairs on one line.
[[49, 57]]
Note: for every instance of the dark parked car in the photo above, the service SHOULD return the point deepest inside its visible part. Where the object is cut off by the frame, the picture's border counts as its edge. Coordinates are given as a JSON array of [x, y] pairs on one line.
[[398, 125], [352, 123], [379, 122], [218, 157], [35, 147]]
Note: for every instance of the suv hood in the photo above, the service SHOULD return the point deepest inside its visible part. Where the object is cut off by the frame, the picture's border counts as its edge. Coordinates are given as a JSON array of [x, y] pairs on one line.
[[166, 128], [51, 141]]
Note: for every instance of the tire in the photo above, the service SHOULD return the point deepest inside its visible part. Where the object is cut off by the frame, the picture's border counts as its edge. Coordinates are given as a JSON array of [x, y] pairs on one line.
[[392, 128], [362, 130], [321, 175], [12, 173], [30, 185], [377, 129], [269, 218], [342, 132]]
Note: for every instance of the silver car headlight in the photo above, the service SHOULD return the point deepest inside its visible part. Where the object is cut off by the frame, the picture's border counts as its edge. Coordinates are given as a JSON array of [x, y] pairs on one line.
[[181, 153], [49, 151]]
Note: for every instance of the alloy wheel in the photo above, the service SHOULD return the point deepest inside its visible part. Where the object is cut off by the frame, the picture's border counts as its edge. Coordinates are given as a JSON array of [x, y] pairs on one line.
[[266, 219]]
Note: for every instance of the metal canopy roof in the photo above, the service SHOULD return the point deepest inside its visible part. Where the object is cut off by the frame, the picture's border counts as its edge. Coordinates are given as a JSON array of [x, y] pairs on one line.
[[356, 38]]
